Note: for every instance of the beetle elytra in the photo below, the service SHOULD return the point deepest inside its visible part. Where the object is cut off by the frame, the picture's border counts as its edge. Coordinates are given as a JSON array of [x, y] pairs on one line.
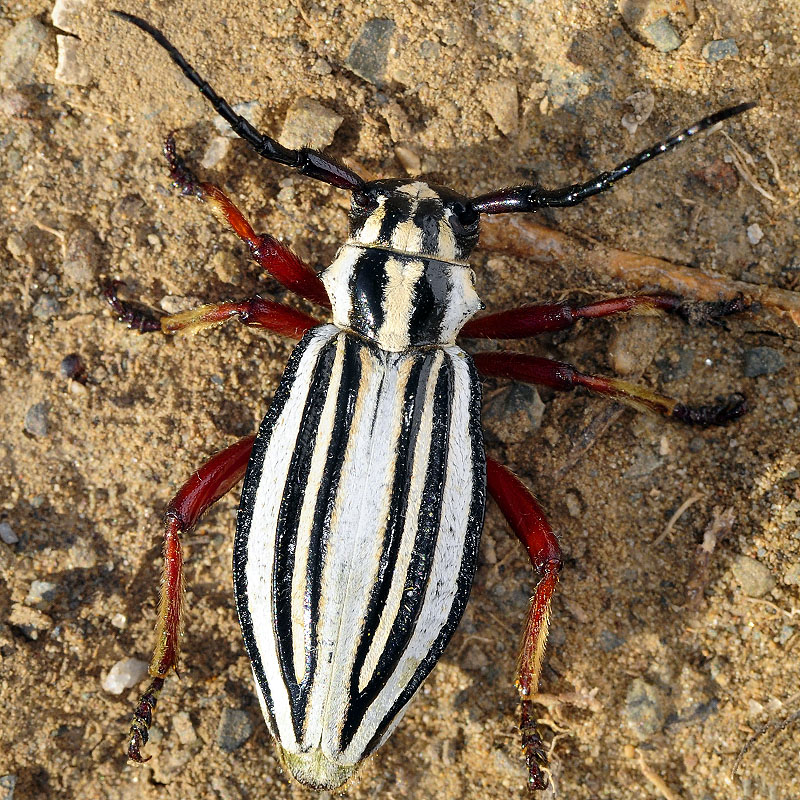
[[364, 488]]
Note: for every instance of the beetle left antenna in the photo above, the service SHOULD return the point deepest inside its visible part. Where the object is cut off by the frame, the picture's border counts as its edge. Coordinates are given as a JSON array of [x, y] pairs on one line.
[[306, 161], [530, 197]]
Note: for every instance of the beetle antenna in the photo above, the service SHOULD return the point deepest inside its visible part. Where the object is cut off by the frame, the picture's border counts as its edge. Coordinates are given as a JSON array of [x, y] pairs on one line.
[[306, 161], [531, 198]]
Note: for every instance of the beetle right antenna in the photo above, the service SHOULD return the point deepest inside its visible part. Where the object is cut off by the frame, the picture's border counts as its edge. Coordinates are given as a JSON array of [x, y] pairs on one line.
[[305, 161]]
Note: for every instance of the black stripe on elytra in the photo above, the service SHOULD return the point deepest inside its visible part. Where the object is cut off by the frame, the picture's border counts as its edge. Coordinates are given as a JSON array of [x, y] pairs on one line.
[[326, 496], [411, 418], [367, 284], [469, 560], [419, 567], [244, 518], [427, 216], [396, 209], [286, 532]]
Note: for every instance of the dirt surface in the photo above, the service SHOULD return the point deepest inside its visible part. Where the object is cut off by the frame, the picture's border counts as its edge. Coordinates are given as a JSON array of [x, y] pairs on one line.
[[659, 668]]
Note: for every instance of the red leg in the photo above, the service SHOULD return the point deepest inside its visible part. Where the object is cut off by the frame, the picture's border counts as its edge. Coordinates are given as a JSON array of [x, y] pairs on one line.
[[519, 323], [214, 479], [528, 521], [564, 377], [256, 312], [266, 250]]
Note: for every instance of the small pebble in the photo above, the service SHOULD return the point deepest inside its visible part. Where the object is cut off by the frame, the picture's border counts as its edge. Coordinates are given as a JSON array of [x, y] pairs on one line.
[[72, 67], [309, 124], [474, 658], [643, 104], [408, 159], [72, 368], [46, 307], [17, 246], [125, 674], [644, 709], [119, 621], [235, 728], [226, 789], [662, 35], [573, 504], [42, 594], [68, 14], [19, 52], [608, 641], [174, 304], [502, 103], [754, 577], [249, 110], [762, 361], [719, 49], [754, 233], [182, 725], [227, 267], [370, 51], [321, 67], [789, 404], [7, 784], [787, 631], [7, 533], [36, 419], [216, 151], [81, 258], [791, 576]]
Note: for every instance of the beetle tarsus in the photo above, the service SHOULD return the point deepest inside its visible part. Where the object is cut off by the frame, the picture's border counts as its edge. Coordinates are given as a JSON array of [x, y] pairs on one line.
[[142, 720], [138, 316], [703, 313], [182, 177], [533, 748], [716, 414]]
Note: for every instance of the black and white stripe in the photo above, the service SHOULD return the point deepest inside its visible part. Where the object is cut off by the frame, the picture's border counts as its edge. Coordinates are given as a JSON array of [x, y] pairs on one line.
[[357, 541]]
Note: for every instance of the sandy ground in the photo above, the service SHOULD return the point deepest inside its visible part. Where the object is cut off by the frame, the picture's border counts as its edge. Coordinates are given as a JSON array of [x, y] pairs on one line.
[[644, 685]]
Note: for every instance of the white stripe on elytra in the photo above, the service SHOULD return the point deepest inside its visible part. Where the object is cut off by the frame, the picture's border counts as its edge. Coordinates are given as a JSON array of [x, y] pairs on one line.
[[261, 536], [441, 588], [301, 614], [419, 471], [462, 302], [398, 302]]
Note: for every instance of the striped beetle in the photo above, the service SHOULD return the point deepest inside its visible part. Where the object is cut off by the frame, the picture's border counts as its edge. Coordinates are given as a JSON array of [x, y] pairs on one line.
[[364, 488]]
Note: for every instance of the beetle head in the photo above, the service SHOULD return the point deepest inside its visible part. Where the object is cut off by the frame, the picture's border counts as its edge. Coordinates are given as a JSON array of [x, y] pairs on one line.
[[414, 218]]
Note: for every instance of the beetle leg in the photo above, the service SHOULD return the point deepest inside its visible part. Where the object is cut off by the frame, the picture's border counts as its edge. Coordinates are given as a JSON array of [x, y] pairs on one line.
[[216, 477], [530, 525], [519, 323], [270, 254], [564, 377], [255, 312]]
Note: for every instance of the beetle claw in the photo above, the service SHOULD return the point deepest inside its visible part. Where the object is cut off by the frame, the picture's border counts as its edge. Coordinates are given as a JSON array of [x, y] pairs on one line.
[[138, 316]]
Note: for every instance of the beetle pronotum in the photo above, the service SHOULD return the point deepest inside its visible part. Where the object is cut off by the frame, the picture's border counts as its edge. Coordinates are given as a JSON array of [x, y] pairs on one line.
[[364, 489]]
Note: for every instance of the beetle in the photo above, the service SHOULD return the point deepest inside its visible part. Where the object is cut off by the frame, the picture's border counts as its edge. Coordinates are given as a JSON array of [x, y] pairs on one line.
[[364, 489]]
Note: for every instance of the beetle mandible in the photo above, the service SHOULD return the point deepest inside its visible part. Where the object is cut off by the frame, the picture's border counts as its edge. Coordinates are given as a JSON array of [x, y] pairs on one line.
[[364, 488]]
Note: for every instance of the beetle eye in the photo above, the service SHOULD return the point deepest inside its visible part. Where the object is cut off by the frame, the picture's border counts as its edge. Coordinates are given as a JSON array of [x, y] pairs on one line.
[[363, 203], [467, 216]]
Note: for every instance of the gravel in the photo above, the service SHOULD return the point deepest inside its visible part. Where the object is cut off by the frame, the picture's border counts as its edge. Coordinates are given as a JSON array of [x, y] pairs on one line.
[[754, 577], [81, 258], [309, 124], [370, 50], [662, 35], [125, 674], [644, 709], [763, 361], [19, 52], [502, 103], [235, 728], [46, 307], [42, 594], [7, 533], [720, 49], [36, 419]]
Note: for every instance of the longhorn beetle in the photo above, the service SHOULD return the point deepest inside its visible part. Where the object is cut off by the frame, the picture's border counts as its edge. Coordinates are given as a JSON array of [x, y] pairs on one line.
[[364, 488]]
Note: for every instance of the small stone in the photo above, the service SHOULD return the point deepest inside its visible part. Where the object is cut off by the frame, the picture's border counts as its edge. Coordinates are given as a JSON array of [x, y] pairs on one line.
[[789, 404], [119, 621], [762, 361], [226, 789], [573, 503], [321, 67], [501, 101], [72, 368], [430, 49], [30, 621], [235, 728], [474, 658], [19, 52], [754, 233], [786, 633], [608, 641], [184, 730], [46, 307], [645, 462], [81, 258], [719, 49], [644, 709], [42, 594], [72, 67], [791, 577], [408, 159], [174, 304], [7, 784], [125, 674], [249, 110], [227, 267], [217, 149], [754, 577], [68, 14], [370, 50], [662, 35], [7, 533], [642, 104], [36, 419], [309, 124], [17, 246]]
